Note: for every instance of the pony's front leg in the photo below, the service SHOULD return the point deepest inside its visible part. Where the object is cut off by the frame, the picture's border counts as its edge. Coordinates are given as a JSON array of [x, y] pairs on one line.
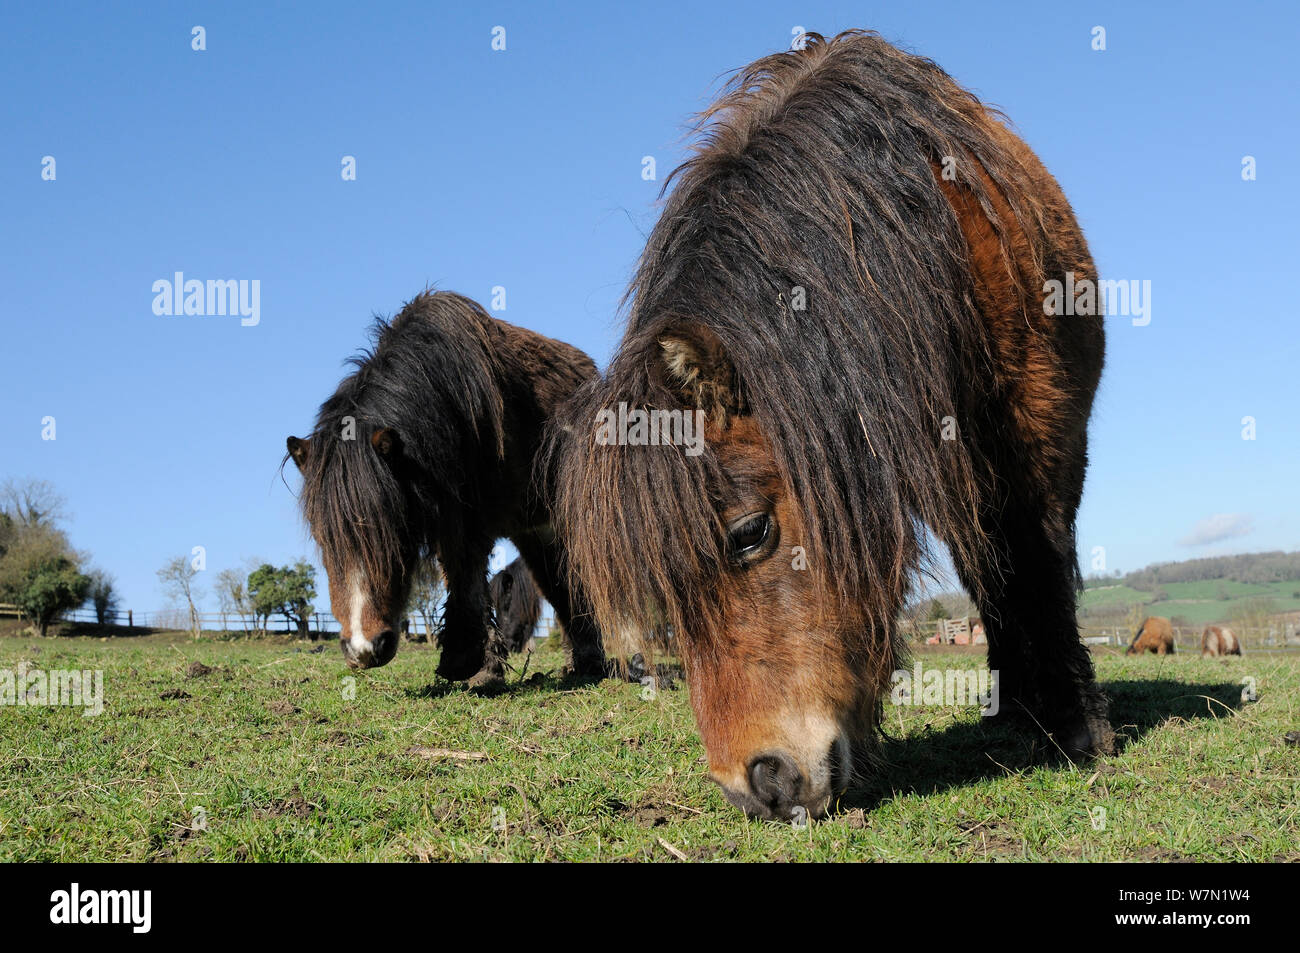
[[492, 675], [464, 635], [1037, 603], [584, 653]]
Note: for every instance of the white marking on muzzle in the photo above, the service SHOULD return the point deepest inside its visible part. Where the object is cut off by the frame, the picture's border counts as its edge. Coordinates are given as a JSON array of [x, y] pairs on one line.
[[815, 740], [358, 643]]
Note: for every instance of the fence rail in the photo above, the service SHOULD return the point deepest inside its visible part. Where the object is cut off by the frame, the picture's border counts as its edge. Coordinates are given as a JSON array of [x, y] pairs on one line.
[[319, 623], [1278, 634]]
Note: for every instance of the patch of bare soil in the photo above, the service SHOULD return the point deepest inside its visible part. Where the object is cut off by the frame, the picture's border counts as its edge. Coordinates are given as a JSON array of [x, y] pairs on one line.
[[446, 754], [855, 819], [727, 850], [1162, 855], [288, 682], [295, 805], [992, 838], [650, 813]]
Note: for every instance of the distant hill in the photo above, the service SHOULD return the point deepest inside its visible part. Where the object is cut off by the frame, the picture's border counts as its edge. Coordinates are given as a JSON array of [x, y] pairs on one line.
[[1197, 591], [1249, 586], [1251, 568]]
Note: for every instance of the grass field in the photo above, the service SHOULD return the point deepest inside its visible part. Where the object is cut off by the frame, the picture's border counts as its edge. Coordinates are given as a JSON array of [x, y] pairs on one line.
[[264, 756]]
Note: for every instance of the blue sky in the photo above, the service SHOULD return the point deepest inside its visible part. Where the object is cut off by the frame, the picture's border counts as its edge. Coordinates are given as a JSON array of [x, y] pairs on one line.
[[522, 169]]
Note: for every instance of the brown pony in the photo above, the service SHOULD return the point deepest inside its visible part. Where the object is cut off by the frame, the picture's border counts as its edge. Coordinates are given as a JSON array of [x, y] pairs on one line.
[[430, 448], [848, 285], [516, 605], [1219, 640], [1155, 634]]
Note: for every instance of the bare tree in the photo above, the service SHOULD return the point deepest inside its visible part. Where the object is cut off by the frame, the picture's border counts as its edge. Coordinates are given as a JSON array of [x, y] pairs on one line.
[[103, 596], [232, 592], [30, 502], [178, 581], [427, 592]]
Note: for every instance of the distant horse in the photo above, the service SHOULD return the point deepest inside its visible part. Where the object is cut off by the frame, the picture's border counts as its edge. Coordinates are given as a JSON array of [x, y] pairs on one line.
[[1219, 640], [1155, 634], [853, 291], [430, 448], [516, 605]]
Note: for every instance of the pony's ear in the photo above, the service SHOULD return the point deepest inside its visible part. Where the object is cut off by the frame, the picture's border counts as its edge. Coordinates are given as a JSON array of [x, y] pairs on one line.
[[386, 442], [697, 367], [298, 450]]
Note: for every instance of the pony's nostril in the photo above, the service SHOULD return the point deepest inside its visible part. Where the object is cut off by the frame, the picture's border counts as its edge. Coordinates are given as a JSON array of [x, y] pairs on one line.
[[384, 646], [361, 653], [775, 780]]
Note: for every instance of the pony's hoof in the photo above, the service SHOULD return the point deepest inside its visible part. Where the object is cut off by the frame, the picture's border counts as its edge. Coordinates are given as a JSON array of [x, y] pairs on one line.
[[487, 682], [593, 668], [1088, 737], [458, 668]]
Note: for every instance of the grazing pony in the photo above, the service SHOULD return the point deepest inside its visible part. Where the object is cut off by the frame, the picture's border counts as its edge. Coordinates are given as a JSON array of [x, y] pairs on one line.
[[516, 605], [1219, 640], [1155, 634], [846, 289], [430, 448]]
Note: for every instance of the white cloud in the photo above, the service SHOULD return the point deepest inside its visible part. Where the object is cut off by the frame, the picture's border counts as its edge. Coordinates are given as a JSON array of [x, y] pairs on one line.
[[1217, 528]]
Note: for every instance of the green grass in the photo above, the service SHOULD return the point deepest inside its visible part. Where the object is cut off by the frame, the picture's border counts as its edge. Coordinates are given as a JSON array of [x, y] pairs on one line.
[[1111, 596], [286, 767]]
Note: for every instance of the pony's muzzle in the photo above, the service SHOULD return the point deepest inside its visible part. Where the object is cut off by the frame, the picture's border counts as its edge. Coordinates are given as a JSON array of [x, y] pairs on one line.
[[779, 790], [360, 652]]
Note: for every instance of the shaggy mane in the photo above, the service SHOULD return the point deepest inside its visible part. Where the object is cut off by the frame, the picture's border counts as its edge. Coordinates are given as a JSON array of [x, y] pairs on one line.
[[815, 169], [437, 362]]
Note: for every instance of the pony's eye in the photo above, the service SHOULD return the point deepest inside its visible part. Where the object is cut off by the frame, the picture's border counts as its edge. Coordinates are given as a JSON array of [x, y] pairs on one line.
[[747, 535]]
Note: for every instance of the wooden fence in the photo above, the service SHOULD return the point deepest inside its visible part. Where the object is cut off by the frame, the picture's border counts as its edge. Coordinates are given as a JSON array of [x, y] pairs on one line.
[[319, 623], [1188, 637], [1282, 633]]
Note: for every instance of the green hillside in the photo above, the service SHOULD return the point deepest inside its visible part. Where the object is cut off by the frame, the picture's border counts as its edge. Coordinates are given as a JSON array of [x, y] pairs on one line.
[[1196, 592]]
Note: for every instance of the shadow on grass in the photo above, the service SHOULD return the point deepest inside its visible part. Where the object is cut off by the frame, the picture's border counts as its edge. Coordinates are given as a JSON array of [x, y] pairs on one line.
[[519, 681], [532, 682], [90, 630], [934, 759]]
